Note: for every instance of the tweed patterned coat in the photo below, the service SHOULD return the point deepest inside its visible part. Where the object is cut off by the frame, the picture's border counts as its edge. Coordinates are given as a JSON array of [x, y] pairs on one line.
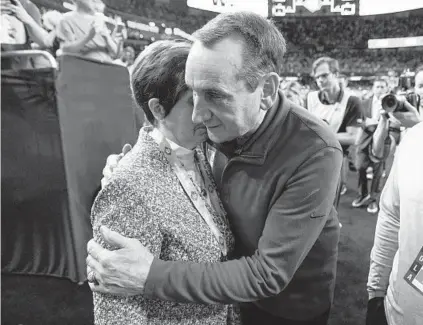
[[144, 200]]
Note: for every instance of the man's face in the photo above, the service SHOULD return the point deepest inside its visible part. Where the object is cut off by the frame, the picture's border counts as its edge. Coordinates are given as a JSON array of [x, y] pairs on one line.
[[380, 88], [324, 77], [418, 88], [222, 102]]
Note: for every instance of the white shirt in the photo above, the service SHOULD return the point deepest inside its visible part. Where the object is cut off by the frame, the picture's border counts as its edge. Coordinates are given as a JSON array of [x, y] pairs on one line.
[[376, 107], [396, 266]]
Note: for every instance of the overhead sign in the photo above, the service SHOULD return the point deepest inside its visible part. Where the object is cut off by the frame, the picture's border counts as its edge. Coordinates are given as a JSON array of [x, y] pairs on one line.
[[259, 7], [283, 8]]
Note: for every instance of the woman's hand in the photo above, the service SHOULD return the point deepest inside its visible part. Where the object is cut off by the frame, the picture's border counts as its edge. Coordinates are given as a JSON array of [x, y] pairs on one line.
[[111, 163], [19, 12]]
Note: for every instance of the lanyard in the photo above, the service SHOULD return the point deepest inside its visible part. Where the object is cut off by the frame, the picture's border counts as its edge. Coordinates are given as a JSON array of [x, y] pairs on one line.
[[196, 195]]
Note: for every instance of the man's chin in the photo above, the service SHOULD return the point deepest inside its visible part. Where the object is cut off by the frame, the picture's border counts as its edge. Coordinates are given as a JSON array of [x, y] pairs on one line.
[[216, 138]]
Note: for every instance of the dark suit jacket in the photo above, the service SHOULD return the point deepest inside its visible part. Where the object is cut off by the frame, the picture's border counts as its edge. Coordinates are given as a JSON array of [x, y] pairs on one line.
[[367, 107]]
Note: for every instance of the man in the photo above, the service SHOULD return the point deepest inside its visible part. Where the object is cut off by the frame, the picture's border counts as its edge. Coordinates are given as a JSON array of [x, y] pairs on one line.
[[395, 283], [277, 168], [336, 106], [372, 108], [82, 32]]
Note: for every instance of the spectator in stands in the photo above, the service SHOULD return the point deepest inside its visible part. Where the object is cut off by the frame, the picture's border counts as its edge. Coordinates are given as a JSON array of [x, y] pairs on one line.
[[127, 58], [293, 91], [82, 32], [51, 20], [372, 108], [270, 152], [336, 106], [395, 281], [20, 25]]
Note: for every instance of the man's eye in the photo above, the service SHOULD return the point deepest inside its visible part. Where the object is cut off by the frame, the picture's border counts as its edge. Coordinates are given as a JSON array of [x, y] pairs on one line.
[[213, 96]]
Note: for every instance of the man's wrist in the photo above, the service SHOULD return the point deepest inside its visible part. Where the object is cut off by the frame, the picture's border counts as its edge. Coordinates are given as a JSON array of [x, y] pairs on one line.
[[150, 282]]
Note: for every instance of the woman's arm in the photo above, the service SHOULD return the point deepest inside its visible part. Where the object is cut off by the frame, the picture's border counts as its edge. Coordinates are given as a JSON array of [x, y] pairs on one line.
[[37, 34]]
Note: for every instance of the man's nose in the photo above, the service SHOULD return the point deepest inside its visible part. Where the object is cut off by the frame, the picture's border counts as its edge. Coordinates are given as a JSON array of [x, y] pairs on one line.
[[200, 113]]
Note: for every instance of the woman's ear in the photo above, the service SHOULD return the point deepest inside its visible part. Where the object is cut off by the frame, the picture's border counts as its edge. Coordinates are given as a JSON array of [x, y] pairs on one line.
[[270, 91], [156, 109]]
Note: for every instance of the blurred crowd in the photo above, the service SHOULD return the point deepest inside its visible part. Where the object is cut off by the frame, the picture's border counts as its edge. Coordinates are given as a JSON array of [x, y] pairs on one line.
[[343, 38], [82, 31]]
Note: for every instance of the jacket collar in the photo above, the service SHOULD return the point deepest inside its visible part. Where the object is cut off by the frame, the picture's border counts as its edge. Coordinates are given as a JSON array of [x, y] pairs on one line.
[[255, 149]]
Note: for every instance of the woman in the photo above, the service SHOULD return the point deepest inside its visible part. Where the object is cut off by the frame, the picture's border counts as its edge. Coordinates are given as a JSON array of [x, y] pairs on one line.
[[162, 192]]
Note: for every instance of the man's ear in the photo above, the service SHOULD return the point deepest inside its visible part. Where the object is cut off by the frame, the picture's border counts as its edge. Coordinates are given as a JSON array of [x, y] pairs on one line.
[[156, 109], [270, 90]]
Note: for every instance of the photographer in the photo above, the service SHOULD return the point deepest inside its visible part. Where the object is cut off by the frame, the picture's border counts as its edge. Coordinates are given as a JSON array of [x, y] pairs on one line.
[[363, 159], [395, 282]]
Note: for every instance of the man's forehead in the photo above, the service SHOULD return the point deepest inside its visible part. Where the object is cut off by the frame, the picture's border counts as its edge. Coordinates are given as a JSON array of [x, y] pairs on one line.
[[225, 53], [322, 68], [205, 70]]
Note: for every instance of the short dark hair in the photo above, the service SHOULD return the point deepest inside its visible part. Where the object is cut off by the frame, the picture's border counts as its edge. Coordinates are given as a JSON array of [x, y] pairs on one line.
[[159, 72], [265, 45], [332, 63]]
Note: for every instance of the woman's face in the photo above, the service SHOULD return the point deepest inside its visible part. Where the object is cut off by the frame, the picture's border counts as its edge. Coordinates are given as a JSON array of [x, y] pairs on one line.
[[179, 123]]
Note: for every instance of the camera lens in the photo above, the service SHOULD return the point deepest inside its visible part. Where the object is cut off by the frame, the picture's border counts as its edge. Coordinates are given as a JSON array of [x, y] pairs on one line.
[[389, 102]]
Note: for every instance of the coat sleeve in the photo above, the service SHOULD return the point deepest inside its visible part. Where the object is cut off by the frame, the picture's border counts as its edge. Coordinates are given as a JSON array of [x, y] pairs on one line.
[[123, 209], [386, 237], [280, 252]]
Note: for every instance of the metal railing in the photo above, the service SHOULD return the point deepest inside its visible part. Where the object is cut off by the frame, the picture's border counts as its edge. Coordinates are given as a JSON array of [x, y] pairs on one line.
[[31, 53]]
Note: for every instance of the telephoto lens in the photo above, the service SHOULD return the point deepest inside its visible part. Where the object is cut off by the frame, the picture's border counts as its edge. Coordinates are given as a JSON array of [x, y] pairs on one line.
[[390, 103]]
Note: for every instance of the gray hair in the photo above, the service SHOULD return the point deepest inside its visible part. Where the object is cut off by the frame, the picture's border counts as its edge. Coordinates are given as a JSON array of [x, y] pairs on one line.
[[265, 45]]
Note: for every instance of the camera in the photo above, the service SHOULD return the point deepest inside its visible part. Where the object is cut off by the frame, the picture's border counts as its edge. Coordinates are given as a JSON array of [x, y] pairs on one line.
[[392, 103]]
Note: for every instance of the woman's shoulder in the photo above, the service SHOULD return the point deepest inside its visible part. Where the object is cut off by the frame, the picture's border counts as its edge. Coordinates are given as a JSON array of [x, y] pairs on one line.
[[144, 166]]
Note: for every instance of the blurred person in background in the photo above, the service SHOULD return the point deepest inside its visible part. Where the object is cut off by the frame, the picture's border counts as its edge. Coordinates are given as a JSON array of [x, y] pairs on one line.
[[336, 106], [293, 91], [51, 20], [127, 58], [20, 25], [84, 33], [372, 108]]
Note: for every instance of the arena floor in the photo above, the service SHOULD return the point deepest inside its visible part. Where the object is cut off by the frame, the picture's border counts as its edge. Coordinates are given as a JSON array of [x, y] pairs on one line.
[[49, 301]]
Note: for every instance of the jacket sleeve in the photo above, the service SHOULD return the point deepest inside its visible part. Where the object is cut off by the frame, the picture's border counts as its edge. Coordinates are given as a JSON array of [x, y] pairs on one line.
[[303, 208], [386, 236]]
